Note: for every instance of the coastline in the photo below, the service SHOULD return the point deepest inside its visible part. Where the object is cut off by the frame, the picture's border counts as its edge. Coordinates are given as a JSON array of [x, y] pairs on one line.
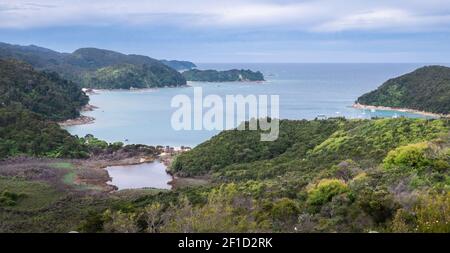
[[387, 108], [82, 119]]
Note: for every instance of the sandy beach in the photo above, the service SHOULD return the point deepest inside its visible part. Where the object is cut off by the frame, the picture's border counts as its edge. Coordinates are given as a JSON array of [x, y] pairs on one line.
[[386, 108]]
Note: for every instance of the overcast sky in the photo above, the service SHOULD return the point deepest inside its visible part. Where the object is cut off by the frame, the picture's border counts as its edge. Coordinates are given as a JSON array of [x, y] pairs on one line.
[[238, 31]]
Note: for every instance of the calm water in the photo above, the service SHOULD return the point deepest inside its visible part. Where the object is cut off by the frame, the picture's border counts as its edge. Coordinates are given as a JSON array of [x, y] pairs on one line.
[[151, 175], [305, 90]]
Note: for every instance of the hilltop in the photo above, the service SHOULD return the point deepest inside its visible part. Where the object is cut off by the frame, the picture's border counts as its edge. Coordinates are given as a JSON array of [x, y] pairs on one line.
[[425, 89], [97, 68]]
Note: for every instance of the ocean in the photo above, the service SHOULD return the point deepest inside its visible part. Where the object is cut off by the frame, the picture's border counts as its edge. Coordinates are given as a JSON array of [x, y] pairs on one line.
[[305, 92]]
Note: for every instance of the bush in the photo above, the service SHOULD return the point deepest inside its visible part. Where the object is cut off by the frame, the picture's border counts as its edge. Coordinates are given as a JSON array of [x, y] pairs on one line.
[[8, 198], [412, 156], [325, 190], [285, 211], [430, 215], [379, 204], [433, 214]]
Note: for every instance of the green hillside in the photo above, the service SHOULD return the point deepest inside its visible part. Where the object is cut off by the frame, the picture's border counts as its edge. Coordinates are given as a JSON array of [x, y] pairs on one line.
[[43, 93], [425, 89], [26, 133], [86, 66], [336, 175]]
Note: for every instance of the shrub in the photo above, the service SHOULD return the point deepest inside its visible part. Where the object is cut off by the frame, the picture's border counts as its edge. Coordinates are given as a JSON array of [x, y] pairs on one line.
[[379, 204], [325, 190], [285, 210], [8, 198], [433, 214], [430, 215], [411, 156]]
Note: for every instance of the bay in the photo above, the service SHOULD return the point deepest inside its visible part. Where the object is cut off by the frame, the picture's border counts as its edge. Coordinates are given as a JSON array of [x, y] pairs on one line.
[[305, 91]]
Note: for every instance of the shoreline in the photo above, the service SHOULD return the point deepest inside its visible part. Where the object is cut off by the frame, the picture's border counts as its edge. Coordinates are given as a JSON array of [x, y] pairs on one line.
[[100, 90], [387, 108], [243, 81], [82, 119]]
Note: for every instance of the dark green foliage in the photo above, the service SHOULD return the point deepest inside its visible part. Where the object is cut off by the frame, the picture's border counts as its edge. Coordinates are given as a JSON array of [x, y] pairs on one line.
[[379, 204], [43, 93], [10, 198], [304, 146], [425, 89], [179, 65], [233, 75], [97, 68], [26, 133], [126, 76], [285, 211]]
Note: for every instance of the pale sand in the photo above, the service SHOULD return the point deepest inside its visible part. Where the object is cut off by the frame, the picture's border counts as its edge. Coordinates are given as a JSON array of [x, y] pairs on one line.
[[387, 108]]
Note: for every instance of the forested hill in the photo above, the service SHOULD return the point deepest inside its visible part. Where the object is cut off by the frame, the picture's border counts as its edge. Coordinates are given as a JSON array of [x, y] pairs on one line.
[[179, 65], [233, 75], [97, 68], [425, 89], [23, 132], [335, 175], [43, 93], [310, 145], [29, 103]]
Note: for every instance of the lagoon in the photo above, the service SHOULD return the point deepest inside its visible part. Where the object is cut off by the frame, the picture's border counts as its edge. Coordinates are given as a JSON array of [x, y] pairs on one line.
[[145, 175]]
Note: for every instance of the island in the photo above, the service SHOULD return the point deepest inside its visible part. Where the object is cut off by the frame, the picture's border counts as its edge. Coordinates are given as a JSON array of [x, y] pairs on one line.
[[425, 90], [97, 68], [233, 75]]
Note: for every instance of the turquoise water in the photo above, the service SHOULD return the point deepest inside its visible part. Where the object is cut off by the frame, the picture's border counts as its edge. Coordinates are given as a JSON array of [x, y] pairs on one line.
[[305, 91]]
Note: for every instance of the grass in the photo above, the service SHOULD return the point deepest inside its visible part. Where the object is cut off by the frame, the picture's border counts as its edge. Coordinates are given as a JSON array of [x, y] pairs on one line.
[[69, 178], [38, 195], [62, 165], [71, 175]]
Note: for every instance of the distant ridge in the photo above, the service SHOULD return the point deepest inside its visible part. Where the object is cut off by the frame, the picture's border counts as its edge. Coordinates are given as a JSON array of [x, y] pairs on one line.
[[97, 68]]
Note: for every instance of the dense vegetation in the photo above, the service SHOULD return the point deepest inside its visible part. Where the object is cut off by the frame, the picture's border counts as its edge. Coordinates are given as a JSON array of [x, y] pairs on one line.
[[26, 133], [233, 75], [43, 93], [337, 175], [425, 89], [179, 65], [126, 76], [97, 68]]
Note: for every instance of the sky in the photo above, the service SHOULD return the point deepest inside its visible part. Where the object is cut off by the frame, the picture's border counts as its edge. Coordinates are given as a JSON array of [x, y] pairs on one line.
[[238, 31]]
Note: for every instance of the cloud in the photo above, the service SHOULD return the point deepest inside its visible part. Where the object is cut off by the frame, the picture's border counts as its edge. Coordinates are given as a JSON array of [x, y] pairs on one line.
[[312, 16], [386, 19]]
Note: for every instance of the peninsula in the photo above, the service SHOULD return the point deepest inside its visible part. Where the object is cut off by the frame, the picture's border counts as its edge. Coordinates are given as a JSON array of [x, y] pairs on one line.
[[233, 75], [425, 90]]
